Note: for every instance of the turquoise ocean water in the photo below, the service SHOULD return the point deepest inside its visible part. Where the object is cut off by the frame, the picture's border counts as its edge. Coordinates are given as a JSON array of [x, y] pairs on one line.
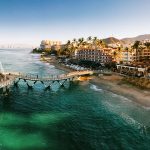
[[82, 117]]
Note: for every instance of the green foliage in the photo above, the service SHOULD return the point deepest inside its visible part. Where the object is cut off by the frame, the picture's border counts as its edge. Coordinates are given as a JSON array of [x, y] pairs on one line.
[[111, 65], [147, 44], [89, 64], [136, 45], [54, 52], [36, 50], [70, 47]]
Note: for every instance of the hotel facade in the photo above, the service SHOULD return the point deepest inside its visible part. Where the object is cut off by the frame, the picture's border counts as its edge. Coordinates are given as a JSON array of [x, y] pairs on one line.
[[93, 55], [142, 55]]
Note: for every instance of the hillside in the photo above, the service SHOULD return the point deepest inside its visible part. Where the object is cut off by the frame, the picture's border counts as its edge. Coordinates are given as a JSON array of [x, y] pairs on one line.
[[112, 40], [126, 41], [137, 38]]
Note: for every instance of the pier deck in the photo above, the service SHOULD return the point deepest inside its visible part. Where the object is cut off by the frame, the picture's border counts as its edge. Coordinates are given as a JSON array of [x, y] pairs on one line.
[[14, 78]]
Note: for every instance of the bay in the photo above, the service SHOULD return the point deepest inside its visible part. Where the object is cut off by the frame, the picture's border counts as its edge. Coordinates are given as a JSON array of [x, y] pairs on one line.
[[82, 117]]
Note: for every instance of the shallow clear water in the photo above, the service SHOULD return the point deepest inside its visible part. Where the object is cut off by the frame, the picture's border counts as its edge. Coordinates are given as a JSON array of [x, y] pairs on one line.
[[83, 117]]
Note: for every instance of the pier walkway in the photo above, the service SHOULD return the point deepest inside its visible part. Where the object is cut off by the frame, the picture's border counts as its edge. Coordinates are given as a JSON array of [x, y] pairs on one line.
[[15, 77], [55, 78]]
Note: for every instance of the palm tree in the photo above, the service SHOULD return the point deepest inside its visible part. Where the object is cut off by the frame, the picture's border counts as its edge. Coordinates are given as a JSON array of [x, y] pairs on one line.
[[147, 44], [94, 39], [68, 42], [103, 44], [140, 50], [89, 42], [80, 42], [136, 47], [119, 53], [74, 40], [67, 49], [89, 38], [99, 43], [127, 50], [115, 55]]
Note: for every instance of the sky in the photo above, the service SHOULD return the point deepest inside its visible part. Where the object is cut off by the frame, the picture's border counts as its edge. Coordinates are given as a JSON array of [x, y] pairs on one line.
[[30, 21]]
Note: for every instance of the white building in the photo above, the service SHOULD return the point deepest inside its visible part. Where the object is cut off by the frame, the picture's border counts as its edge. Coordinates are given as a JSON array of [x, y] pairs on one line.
[[127, 56], [115, 45], [47, 44]]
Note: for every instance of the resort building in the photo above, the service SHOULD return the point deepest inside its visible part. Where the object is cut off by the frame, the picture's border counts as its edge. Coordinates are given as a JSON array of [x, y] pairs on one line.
[[47, 44], [93, 55], [127, 56], [119, 56], [144, 54]]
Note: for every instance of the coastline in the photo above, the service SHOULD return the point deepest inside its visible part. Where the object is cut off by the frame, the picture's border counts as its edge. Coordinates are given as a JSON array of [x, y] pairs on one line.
[[113, 84], [61, 67], [57, 65]]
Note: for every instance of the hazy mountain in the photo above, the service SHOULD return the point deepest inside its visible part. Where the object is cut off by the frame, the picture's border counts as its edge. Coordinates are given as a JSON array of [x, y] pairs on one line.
[[112, 40], [126, 41], [137, 38]]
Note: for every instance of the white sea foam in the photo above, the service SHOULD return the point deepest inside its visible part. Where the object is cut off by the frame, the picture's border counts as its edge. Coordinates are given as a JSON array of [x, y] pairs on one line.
[[121, 97], [114, 95], [110, 105], [131, 121], [147, 108], [95, 88], [141, 127]]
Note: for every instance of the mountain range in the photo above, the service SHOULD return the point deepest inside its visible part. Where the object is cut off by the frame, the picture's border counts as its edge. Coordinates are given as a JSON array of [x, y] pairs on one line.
[[126, 41], [110, 40]]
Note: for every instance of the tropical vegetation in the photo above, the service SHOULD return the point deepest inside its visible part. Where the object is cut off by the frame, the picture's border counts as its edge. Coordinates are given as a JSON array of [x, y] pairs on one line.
[[81, 43]]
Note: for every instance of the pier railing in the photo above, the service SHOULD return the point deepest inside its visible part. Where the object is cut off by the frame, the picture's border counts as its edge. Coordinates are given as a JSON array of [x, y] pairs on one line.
[[14, 75], [53, 77]]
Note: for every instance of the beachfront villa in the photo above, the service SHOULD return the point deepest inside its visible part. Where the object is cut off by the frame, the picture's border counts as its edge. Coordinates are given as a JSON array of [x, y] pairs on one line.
[[95, 55]]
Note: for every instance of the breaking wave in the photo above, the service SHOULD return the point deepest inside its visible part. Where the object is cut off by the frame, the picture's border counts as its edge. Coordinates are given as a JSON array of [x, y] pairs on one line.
[[95, 88]]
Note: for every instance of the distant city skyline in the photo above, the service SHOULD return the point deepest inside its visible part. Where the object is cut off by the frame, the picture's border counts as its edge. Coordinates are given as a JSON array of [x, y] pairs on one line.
[[30, 21]]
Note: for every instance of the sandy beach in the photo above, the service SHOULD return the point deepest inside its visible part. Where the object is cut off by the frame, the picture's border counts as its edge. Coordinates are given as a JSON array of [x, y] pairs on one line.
[[114, 84]]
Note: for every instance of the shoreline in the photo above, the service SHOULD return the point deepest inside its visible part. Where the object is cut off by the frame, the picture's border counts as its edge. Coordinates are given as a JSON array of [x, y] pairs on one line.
[[113, 84], [57, 65], [128, 91]]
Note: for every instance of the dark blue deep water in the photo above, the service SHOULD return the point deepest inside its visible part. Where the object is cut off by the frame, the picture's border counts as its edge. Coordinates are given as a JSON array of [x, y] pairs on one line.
[[82, 117]]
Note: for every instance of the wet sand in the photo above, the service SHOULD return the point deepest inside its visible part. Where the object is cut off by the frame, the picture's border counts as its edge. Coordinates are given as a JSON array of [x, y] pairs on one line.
[[114, 84]]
